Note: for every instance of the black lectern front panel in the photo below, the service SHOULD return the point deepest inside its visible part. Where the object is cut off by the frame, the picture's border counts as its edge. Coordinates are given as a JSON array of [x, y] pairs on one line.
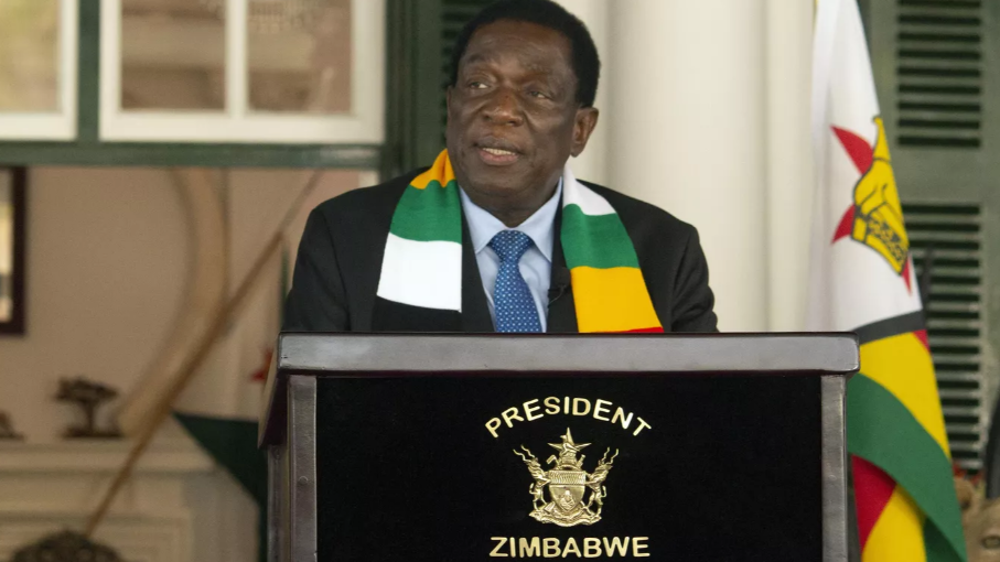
[[478, 468]]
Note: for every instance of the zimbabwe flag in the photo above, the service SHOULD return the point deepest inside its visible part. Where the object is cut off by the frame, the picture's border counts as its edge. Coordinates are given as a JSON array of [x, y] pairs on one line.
[[862, 280]]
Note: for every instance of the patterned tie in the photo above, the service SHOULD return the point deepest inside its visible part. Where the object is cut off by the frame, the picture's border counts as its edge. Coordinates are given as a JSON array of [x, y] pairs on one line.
[[513, 306]]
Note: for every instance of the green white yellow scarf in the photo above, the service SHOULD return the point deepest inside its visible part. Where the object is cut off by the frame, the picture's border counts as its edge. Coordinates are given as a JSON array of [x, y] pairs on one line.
[[422, 265]]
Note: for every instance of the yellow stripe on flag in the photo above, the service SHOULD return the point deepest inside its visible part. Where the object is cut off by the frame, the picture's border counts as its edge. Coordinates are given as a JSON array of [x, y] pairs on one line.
[[903, 366], [611, 300], [441, 171], [898, 535]]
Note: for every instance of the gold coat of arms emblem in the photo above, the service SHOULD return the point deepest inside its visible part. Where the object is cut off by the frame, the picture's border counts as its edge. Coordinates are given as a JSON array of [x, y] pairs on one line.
[[568, 503]]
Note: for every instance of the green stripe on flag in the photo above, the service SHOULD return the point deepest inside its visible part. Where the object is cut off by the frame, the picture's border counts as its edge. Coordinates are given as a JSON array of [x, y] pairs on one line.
[[881, 430], [595, 241], [936, 546], [429, 214]]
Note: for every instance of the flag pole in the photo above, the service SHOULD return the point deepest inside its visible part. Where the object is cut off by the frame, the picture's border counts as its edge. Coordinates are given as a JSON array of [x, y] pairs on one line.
[[193, 361]]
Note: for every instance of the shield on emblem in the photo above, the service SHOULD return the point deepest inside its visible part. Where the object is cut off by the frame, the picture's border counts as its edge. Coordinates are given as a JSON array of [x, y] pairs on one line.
[[566, 489]]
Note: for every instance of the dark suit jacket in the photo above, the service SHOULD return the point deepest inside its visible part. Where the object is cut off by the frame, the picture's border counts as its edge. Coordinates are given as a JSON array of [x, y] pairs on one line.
[[340, 259]]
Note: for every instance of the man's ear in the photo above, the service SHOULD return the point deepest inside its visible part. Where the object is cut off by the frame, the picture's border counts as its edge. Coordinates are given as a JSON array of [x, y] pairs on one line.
[[583, 125]]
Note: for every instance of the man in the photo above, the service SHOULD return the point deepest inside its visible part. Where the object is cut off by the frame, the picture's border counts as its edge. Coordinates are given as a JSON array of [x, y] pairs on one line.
[[498, 234]]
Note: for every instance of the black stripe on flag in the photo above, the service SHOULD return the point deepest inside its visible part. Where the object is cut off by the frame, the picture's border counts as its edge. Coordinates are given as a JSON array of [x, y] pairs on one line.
[[891, 327]]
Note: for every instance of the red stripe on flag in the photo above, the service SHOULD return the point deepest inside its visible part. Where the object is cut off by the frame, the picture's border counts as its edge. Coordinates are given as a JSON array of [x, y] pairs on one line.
[[872, 490], [922, 336], [857, 148], [844, 228], [656, 330]]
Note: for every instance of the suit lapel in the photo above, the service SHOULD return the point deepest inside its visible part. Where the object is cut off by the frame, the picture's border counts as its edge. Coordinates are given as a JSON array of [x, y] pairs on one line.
[[562, 309], [475, 309]]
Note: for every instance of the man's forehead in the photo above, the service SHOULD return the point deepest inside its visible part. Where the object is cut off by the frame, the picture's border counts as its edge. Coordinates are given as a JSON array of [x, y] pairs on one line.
[[493, 56], [533, 44]]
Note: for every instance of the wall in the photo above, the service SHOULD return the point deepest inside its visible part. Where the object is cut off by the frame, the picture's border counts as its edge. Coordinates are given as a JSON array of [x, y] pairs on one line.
[[108, 261], [107, 254], [109, 258], [705, 113]]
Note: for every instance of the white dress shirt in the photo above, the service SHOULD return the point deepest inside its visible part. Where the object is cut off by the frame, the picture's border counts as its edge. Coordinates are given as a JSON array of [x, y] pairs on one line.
[[535, 264]]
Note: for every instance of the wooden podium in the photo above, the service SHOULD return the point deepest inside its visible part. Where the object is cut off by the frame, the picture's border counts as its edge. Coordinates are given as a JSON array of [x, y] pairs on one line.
[[477, 447]]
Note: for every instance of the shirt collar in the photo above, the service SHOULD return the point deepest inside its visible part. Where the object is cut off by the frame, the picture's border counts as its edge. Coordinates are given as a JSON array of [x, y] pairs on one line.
[[540, 226]]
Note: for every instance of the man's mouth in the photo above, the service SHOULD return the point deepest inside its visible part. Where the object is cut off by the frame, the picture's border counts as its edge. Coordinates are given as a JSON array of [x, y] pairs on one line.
[[500, 152], [496, 152]]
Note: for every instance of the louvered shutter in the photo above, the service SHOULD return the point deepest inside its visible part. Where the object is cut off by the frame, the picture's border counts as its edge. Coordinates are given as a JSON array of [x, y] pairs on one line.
[[940, 73], [935, 69], [946, 241]]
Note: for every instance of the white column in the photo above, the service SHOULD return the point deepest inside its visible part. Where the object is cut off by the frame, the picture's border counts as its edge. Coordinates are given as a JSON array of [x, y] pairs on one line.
[[592, 165], [790, 178], [687, 83]]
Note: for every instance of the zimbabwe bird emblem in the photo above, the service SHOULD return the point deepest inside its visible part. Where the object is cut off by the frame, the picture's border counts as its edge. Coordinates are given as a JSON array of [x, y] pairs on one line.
[[878, 215], [875, 219], [567, 484]]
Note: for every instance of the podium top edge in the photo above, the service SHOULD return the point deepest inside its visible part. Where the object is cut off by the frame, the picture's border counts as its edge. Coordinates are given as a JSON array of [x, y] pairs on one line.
[[362, 355], [340, 354]]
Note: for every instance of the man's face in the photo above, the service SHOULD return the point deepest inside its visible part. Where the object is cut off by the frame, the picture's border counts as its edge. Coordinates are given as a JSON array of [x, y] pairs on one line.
[[513, 118]]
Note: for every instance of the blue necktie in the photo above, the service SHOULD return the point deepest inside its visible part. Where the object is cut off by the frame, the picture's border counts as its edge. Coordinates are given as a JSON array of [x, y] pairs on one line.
[[513, 306]]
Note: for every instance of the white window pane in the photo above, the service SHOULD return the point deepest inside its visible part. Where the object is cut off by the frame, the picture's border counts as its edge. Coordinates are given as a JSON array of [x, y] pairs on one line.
[[173, 54], [29, 40], [299, 56]]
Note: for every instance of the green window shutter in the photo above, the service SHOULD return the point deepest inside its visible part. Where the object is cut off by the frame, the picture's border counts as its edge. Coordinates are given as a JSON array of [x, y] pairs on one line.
[[936, 71], [946, 242], [940, 73]]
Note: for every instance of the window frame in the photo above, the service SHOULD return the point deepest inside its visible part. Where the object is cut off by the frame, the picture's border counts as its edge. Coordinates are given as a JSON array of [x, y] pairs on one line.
[[236, 123]]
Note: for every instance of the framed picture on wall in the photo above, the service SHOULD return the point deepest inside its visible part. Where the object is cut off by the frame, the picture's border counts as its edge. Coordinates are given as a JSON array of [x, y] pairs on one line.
[[13, 212]]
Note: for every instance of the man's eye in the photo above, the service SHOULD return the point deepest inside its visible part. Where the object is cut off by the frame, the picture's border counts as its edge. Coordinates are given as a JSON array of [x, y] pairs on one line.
[[537, 94], [476, 85], [991, 542]]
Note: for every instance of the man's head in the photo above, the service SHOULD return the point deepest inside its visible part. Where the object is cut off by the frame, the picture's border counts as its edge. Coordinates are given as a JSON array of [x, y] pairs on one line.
[[520, 103]]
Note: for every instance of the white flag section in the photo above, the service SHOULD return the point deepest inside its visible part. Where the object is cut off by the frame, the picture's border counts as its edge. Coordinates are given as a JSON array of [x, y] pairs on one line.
[[857, 229]]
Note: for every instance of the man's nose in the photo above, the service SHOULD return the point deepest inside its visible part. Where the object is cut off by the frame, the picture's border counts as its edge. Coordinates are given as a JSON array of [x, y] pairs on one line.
[[504, 109]]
